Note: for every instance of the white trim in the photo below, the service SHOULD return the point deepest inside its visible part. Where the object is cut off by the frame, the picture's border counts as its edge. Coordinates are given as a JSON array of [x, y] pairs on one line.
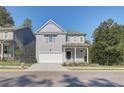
[[64, 54], [50, 52], [83, 47], [47, 23], [87, 55], [1, 51], [75, 54]]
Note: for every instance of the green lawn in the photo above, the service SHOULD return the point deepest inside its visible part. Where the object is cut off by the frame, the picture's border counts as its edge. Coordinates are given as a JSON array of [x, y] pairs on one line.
[[13, 63], [82, 66], [96, 68]]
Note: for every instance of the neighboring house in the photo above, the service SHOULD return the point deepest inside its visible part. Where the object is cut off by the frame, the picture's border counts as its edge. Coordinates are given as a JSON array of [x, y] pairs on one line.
[[55, 45], [12, 38]]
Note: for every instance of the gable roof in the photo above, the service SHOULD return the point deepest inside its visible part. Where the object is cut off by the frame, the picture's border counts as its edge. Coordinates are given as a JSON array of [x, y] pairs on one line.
[[13, 28], [50, 22], [22, 32]]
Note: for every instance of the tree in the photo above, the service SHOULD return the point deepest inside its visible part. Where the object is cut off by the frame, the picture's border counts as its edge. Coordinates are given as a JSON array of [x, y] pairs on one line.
[[5, 17], [87, 41], [106, 40], [27, 22]]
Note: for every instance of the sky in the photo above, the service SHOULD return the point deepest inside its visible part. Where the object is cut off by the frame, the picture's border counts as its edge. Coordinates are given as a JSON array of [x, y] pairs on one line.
[[83, 19]]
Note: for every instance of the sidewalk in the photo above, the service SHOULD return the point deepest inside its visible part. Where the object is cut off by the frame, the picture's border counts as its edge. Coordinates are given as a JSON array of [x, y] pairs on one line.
[[47, 67]]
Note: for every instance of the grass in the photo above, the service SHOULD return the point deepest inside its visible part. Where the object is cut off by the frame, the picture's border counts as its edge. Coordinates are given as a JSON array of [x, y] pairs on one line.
[[96, 68], [13, 63], [12, 66], [86, 66], [10, 70]]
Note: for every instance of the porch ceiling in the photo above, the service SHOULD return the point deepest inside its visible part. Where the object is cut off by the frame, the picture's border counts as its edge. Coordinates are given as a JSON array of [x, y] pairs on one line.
[[75, 45]]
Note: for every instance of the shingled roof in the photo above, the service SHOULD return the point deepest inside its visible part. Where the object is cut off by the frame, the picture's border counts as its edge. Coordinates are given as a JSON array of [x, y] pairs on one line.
[[13, 28], [76, 45], [75, 33]]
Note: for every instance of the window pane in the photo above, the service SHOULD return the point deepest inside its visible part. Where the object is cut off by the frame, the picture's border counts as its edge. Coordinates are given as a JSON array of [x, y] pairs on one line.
[[81, 38], [6, 35], [75, 39], [68, 38], [50, 39], [53, 39], [5, 49]]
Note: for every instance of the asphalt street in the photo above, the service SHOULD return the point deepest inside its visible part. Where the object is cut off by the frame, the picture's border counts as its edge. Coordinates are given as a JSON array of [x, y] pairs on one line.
[[62, 79]]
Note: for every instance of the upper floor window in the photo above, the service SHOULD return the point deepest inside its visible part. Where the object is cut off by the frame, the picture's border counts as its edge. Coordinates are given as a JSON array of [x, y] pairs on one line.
[[81, 39], [5, 35], [74, 38], [68, 39], [51, 38]]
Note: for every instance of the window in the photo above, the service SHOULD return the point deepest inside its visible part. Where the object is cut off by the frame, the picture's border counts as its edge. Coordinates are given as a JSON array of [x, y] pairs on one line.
[[74, 38], [81, 39], [6, 35], [5, 49], [68, 39], [51, 38], [82, 52]]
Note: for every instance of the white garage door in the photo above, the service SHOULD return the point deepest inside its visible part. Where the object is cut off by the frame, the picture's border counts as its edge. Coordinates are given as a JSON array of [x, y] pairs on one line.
[[50, 58]]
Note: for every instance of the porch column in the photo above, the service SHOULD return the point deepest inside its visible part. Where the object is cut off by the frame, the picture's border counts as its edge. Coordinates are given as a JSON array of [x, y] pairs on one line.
[[74, 54], [1, 50], [13, 51], [63, 54], [87, 55]]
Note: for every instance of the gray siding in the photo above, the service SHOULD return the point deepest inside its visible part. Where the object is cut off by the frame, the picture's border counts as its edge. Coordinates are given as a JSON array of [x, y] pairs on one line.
[[42, 45]]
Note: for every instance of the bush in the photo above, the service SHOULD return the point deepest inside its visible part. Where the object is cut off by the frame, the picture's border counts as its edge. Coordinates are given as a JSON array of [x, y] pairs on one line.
[[75, 64], [30, 60], [94, 65], [80, 64]]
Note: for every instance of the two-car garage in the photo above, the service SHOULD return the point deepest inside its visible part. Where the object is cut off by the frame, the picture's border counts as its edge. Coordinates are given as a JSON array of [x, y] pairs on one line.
[[50, 57]]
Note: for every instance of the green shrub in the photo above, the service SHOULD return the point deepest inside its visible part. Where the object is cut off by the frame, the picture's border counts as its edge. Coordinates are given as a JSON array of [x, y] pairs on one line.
[[75, 64], [30, 60]]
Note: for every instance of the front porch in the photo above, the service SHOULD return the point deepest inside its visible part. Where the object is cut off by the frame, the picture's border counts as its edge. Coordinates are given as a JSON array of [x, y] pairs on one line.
[[6, 50], [75, 53]]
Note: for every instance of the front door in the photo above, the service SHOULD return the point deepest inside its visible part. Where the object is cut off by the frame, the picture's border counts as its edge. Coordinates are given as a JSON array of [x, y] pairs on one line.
[[68, 55]]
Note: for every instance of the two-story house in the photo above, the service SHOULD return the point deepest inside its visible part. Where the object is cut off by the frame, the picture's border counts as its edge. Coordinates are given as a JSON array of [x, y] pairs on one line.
[[55, 45], [13, 38]]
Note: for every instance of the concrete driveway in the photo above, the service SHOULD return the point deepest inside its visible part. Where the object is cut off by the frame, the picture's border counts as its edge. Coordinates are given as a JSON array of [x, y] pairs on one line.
[[62, 79], [47, 67]]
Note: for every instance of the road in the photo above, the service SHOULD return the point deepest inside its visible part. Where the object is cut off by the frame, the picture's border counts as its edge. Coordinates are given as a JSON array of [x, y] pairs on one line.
[[62, 79]]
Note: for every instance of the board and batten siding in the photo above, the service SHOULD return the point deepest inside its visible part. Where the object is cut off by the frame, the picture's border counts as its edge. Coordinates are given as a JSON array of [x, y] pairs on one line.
[[42, 44]]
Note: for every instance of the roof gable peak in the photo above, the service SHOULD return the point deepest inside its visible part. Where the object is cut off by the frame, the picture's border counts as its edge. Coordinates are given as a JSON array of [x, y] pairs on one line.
[[50, 22]]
